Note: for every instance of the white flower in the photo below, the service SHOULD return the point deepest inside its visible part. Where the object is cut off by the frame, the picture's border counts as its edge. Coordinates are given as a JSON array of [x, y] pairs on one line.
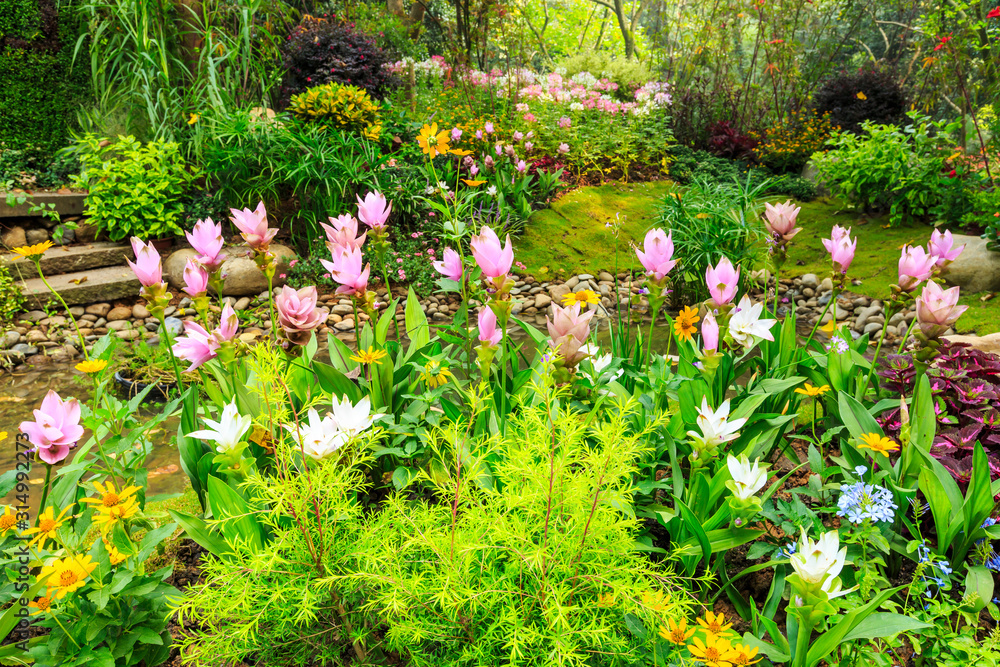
[[226, 432], [745, 325], [442, 186], [715, 426], [353, 419], [820, 562], [492, 191], [318, 437], [747, 479], [429, 190]]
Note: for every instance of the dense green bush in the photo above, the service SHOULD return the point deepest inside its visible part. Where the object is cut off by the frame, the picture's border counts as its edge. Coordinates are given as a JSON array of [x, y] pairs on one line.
[[11, 298], [41, 91], [628, 74], [134, 189], [345, 107]]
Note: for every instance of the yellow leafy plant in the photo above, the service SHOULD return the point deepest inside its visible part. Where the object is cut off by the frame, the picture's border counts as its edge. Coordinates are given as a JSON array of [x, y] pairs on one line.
[[343, 107]]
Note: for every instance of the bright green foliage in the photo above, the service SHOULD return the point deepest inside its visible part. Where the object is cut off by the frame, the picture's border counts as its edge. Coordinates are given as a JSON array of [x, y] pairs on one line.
[[628, 74], [532, 566], [41, 92], [134, 189], [345, 107], [11, 298]]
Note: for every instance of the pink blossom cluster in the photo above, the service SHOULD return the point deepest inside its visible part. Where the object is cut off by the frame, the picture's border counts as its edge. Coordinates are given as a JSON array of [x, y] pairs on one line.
[[435, 66]]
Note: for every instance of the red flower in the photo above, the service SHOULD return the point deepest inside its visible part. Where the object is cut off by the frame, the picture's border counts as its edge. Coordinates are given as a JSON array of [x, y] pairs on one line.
[[944, 40], [775, 41], [994, 13]]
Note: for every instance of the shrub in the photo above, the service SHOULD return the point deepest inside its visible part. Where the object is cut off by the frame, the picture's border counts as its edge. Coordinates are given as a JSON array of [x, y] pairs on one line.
[[724, 140], [134, 189], [887, 168], [791, 186], [788, 147], [686, 164], [628, 74], [327, 50], [872, 94], [345, 107], [41, 91], [11, 298]]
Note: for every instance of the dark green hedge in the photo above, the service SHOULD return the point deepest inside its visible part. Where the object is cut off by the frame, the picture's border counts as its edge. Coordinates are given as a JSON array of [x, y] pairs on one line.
[[41, 92]]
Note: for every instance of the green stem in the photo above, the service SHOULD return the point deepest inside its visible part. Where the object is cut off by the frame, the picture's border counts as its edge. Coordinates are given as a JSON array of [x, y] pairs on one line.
[[45, 492], [83, 345], [802, 643], [503, 379], [878, 348], [909, 329], [833, 299], [270, 301], [170, 348]]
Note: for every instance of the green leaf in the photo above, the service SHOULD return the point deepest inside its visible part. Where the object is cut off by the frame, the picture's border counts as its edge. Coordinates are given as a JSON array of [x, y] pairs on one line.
[[239, 525], [883, 624], [857, 420], [770, 650], [417, 329], [402, 477], [198, 530], [979, 580], [635, 626]]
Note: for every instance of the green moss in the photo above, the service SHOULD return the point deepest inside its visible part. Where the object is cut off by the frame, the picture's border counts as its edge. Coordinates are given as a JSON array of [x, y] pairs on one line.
[[571, 237]]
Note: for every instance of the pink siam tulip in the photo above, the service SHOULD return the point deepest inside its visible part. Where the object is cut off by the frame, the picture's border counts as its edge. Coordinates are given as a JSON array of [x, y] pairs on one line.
[[374, 210], [710, 333], [229, 325], [297, 313], [147, 266], [563, 149], [723, 280], [942, 247], [656, 255], [521, 166], [253, 227], [456, 134], [569, 329], [938, 309], [494, 260], [780, 220], [195, 279], [915, 266], [489, 334], [450, 266], [488, 128], [346, 269], [206, 239], [343, 233], [56, 428], [474, 169], [196, 346], [841, 248]]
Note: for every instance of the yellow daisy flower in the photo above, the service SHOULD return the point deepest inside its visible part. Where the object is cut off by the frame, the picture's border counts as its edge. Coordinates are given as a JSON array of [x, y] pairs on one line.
[[107, 517], [715, 623], [41, 605], [114, 555], [66, 575], [809, 390], [472, 184], [678, 633], [7, 520], [714, 651], [433, 142], [435, 374], [369, 356], [47, 526], [33, 251], [684, 324], [92, 366], [744, 655], [583, 297], [110, 497], [878, 443]]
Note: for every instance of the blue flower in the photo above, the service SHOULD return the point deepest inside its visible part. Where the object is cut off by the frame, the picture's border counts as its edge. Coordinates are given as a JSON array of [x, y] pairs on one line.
[[787, 551], [861, 470], [865, 501]]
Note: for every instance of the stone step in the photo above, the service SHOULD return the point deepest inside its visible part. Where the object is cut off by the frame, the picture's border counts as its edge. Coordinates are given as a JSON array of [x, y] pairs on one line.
[[64, 203], [104, 284], [69, 259]]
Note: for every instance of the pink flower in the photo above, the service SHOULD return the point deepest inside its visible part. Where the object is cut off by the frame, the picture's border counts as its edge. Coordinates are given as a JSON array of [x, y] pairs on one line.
[[710, 333], [494, 260], [373, 210], [346, 269], [474, 169], [479, 134], [498, 149], [938, 309], [196, 346], [195, 279], [147, 267], [942, 246], [456, 134], [344, 233], [659, 249], [521, 166], [297, 313], [253, 227], [206, 239], [915, 266], [563, 149], [518, 136], [565, 122], [528, 146], [450, 266], [780, 220], [488, 332], [488, 128], [488, 162], [56, 427], [723, 280], [568, 330], [841, 248], [229, 325], [529, 118]]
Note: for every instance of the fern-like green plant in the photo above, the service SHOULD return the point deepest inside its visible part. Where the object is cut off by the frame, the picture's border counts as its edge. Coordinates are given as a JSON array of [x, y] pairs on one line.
[[344, 107]]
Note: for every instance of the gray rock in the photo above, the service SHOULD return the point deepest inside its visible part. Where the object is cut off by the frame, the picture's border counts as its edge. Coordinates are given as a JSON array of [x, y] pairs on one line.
[[810, 280], [54, 321], [873, 327], [14, 237], [988, 343], [36, 336], [344, 325], [10, 357], [243, 278], [152, 327], [9, 339], [37, 236], [25, 349], [174, 326], [977, 269], [36, 315], [826, 285], [100, 322], [604, 275], [585, 276], [120, 325], [128, 334], [77, 311], [119, 313], [242, 304], [557, 292], [572, 282], [63, 235]]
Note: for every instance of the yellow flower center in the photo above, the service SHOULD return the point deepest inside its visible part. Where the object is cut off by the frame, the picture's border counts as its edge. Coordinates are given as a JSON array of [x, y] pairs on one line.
[[7, 522], [677, 636], [712, 653], [43, 603], [67, 578], [47, 525], [110, 499]]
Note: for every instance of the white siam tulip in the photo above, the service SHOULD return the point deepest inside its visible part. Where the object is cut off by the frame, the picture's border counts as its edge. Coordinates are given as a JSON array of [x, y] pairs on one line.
[[820, 562], [600, 361], [747, 479], [319, 438], [226, 432], [353, 419], [745, 326], [715, 426]]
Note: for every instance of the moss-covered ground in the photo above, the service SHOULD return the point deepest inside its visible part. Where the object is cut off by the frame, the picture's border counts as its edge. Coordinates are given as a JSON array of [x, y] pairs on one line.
[[573, 237]]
